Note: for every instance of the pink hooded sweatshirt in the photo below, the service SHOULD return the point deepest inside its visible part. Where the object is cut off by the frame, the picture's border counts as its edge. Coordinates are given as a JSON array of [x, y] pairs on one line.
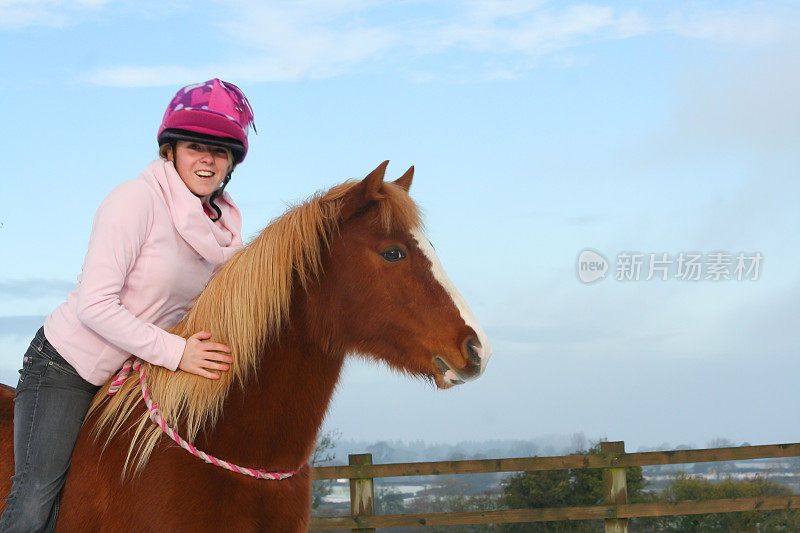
[[151, 252]]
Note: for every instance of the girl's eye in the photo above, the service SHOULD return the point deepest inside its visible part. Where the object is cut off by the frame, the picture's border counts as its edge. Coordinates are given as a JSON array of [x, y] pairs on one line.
[[195, 147], [394, 254], [221, 152]]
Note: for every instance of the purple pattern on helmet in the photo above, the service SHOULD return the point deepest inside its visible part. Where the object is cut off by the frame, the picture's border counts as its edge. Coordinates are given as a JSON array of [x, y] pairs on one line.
[[206, 96]]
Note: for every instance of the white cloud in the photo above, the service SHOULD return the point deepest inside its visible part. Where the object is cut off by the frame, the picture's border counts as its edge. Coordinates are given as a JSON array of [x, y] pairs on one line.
[[259, 69], [140, 76], [16, 14], [490, 10], [738, 27], [319, 39], [538, 32], [308, 39]]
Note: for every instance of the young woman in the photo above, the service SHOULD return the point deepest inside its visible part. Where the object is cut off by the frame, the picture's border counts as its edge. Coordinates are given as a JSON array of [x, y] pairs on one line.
[[155, 242]]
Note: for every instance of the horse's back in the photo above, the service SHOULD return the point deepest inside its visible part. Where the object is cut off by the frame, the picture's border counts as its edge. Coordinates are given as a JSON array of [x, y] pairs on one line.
[[6, 442]]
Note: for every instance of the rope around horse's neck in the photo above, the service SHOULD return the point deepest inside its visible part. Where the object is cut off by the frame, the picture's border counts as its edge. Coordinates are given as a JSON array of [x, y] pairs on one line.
[[155, 415]]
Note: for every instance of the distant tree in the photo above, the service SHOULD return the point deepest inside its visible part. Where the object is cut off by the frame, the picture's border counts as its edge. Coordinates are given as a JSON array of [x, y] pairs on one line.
[[687, 487], [382, 452], [578, 442], [720, 442], [455, 495], [389, 500], [564, 488], [323, 454]]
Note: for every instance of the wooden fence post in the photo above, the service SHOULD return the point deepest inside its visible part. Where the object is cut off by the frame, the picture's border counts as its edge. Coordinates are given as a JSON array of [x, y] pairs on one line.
[[615, 486], [362, 494]]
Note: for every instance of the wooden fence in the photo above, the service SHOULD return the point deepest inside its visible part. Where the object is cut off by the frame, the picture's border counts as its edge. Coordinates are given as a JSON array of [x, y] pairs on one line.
[[612, 459]]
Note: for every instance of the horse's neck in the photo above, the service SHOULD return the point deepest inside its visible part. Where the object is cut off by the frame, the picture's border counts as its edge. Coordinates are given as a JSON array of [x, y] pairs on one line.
[[273, 422]]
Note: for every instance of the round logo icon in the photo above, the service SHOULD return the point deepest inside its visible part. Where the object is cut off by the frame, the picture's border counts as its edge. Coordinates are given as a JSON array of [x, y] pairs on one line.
[[592, 266]]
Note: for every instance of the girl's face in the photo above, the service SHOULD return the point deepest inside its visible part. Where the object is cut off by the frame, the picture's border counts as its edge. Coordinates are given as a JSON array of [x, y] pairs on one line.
[[202, 167]]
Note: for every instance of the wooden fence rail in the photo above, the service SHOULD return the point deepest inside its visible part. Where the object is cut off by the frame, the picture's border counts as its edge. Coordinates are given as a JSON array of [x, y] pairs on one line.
[[612, 459]]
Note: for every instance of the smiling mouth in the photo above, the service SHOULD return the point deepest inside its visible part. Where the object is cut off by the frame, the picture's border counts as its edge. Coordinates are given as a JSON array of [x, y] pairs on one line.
[[205, 174]]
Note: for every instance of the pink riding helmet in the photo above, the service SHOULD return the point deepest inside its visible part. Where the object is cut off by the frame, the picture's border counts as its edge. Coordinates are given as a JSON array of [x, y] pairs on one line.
[[213, 112]]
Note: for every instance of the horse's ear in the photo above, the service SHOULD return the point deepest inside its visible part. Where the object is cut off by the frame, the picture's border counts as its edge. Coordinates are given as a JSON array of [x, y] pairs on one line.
[[405, 180], [373, 181], [365, 192]]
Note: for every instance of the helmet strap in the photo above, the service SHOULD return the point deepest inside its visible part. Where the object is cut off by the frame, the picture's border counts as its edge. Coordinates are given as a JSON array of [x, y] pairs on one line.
[[216, 194]]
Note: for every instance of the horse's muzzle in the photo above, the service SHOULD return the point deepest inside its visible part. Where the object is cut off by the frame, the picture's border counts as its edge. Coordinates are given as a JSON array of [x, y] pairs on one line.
[[475, 358]]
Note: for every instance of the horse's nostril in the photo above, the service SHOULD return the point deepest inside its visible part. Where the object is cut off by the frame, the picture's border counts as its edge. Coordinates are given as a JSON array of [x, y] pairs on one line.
[[473, 351]]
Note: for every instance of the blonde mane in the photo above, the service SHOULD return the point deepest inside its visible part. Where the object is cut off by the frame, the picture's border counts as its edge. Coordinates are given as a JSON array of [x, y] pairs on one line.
[[245, 304]]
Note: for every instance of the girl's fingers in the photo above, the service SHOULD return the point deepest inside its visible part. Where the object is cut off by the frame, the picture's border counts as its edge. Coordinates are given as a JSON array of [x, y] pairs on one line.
[[216, 347], [212, 361], [215, 356], [205, 356]]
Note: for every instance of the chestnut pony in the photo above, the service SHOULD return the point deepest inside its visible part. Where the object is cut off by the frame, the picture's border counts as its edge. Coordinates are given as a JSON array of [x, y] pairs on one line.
[[348, 271]]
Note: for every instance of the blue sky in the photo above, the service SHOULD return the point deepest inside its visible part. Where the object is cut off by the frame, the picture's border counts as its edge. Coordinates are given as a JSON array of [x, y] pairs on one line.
[[538, 129]]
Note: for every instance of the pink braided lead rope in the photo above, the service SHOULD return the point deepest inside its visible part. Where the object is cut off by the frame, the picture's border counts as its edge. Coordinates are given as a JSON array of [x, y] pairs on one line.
[[155, 415]]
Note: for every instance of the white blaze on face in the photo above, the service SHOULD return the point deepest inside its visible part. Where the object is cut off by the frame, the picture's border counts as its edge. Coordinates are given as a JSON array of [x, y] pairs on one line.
[[485, 352]]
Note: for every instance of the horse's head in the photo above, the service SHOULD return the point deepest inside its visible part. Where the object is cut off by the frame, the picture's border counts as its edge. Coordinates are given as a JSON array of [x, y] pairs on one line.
[[393, 301]]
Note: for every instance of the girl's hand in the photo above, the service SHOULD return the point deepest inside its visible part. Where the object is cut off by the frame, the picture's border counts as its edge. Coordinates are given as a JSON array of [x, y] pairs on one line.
[[199, 357]]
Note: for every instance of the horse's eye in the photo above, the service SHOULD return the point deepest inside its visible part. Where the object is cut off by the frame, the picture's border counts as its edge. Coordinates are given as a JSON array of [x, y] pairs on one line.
[[393, 254]]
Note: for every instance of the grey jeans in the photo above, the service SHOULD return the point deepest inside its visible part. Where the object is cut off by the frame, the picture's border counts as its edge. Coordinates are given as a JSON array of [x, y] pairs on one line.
[[49, 407]]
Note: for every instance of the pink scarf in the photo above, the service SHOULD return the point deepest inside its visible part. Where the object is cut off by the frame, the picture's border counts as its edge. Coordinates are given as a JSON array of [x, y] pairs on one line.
[[215, 241]]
